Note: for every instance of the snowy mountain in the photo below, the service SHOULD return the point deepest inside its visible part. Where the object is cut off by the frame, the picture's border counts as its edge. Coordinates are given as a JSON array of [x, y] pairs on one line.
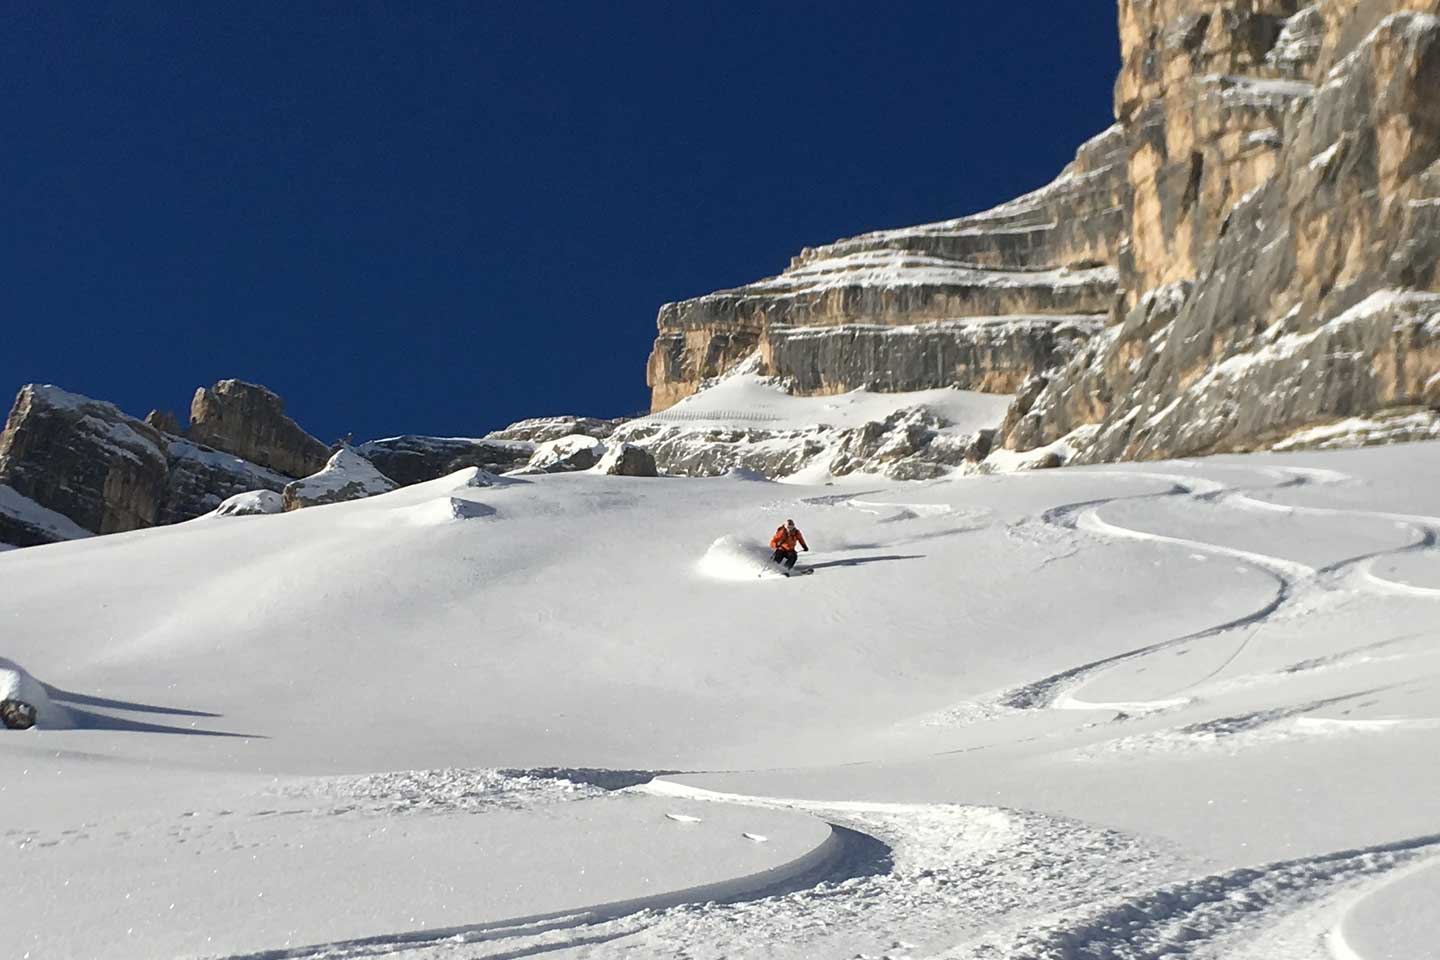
[[544, 692]]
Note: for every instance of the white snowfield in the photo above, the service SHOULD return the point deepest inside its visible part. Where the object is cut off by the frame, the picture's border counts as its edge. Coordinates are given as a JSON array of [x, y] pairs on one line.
[[743, 398], [1182, 710]]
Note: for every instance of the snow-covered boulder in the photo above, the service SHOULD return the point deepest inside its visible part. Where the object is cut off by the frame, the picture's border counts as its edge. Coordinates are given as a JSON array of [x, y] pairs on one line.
[[347, 476], [567, 454], [249, 504], [24, 702], [627, 460]]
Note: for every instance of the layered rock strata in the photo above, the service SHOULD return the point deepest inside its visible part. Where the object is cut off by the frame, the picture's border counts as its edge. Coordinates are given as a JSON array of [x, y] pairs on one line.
[[1246, 259], [981, 302]]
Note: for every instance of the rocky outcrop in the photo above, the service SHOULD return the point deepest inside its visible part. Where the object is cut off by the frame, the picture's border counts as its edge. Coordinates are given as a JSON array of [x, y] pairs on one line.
[[544, 429], [199, 478], [1287, 296], [71, 466], [82, 459], [249, 421], [981, 302], [993, 355], [346, 476], [412, 459], [626, 460], [165, 421], [914, 443]]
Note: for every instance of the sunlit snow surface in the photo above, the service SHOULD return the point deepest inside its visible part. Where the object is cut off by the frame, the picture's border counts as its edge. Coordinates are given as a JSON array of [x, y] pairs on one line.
[[1180, 710]]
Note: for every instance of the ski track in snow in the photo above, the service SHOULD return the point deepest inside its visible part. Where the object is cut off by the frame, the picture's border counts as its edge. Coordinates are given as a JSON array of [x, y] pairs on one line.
[[904, 877], [1291, 578], [1230, 914], [952, 881]]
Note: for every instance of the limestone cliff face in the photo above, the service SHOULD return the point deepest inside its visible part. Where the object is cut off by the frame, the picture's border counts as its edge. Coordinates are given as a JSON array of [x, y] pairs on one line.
[[1284, 287], [981, 302], [82, 459], [1249, 256], [249, 421], [71, 467], [1202, 107]]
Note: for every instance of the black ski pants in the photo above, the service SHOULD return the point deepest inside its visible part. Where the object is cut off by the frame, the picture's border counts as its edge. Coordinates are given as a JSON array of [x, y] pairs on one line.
[[787, 557]]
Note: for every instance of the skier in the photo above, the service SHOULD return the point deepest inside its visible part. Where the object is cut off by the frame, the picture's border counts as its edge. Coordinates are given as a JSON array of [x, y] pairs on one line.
[[783, 543]]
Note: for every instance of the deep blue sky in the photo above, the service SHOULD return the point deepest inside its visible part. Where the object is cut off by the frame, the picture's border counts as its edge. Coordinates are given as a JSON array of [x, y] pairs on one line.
[[437, 218]]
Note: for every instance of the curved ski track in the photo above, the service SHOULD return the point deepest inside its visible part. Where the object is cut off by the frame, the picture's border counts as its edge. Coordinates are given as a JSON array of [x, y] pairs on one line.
[[1290, 577]]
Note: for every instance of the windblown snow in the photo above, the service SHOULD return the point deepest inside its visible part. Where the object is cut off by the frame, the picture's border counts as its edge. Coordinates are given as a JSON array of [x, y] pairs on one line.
[[1185, 710]]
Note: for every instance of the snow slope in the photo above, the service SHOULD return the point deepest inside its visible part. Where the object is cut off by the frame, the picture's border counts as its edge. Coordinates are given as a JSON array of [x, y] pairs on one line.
[[742, 399], [1183, 710], [748, 422]]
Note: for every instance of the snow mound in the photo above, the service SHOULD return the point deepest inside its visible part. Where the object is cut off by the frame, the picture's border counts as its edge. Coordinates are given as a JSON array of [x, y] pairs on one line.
[[250, 503], [734, 558], [17, 684]]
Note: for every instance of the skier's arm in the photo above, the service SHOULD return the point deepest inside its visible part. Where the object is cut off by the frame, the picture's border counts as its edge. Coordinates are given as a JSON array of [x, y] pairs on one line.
[[801, 537]]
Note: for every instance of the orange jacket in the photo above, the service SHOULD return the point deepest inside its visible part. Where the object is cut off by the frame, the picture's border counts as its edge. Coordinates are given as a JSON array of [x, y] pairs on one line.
[[785, 540]]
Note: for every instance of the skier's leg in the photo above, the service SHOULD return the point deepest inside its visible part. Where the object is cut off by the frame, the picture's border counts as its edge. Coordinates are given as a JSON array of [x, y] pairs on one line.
[[778, 556], [790, 557]]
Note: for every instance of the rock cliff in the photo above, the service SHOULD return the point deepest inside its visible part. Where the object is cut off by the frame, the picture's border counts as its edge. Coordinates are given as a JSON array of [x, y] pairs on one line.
[[981, 302], [1249, 257], [1288, 281], [249, 421], [83, 459], [71, 466]]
